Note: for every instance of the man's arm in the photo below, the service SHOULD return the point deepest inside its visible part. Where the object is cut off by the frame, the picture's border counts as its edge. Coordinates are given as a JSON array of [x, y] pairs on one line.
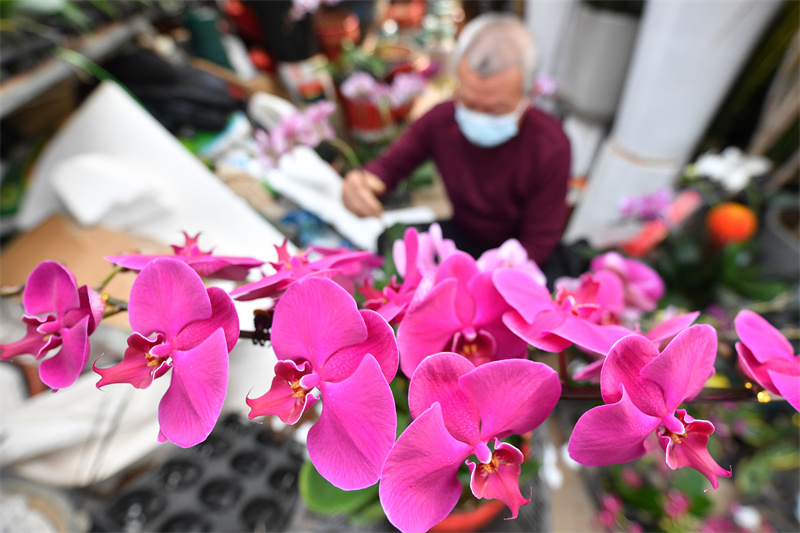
[[362, 187], [546, 208]]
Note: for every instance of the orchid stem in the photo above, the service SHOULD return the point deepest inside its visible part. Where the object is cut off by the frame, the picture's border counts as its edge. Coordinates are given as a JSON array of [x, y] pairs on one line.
[[562, 368], [106, 280], [737, 394], [347, 152], [113, 306], [11, 290]]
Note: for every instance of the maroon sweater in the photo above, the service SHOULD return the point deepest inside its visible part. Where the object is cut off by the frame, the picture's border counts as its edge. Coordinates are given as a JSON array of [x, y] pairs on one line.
[[517, 189]]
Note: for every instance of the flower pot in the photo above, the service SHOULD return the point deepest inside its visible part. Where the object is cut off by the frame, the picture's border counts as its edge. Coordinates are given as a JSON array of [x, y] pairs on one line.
[[470, 520], [779, 239], [367, 123], [333, 27], [407, 13]]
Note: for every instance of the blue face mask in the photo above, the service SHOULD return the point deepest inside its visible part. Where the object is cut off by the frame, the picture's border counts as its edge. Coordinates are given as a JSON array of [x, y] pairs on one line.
[[487, 130]]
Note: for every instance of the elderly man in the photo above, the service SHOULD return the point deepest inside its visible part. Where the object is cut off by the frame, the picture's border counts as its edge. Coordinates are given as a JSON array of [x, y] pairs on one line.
[[504, 163]]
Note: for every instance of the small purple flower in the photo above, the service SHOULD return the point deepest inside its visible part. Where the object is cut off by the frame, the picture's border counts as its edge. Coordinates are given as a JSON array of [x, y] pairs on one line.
[[178, 324], [405, 87], [71, 314], [646, 207], [458, 410], [359, 86]]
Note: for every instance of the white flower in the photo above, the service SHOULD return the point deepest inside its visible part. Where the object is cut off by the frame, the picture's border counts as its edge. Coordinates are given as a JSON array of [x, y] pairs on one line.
[[732, 168]]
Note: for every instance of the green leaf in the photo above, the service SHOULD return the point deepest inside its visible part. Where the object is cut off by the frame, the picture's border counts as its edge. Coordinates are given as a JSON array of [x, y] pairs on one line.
[[370, 514], [752, 475], [322, 497]]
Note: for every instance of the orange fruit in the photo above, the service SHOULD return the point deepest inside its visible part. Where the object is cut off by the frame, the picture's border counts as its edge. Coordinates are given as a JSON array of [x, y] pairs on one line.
[[731, 222]]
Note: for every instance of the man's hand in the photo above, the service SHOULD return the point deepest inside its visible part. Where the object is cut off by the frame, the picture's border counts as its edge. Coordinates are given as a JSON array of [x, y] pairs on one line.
[[360, 193]]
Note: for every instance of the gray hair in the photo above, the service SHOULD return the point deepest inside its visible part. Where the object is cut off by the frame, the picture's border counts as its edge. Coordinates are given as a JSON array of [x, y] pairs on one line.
[[495, 42]]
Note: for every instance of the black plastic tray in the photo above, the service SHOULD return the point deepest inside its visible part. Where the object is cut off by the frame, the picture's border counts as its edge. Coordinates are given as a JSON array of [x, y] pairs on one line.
[[243, 477]]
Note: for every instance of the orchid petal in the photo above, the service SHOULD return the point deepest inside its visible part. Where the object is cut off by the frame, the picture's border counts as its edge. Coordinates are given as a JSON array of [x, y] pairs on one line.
[[623, 367], [190, 407], [165, 297], [666, 330], [380, 343], [685, 365], [788, 386], [522, 292], [762, 338], [755, 370], [436, 380], [134, 367], [223, 315], [137, 262], [500, 482], [419, 483], [462, 267], [33, 342], [265, 287], [428, 325], [94, 304], [64, 368], [537, 333], [314, 319], [51, 287], [590, 336], [281, 399], [490, 304], [611, 434], [512, 396], [691, 449], [352, 438], [590, 372]]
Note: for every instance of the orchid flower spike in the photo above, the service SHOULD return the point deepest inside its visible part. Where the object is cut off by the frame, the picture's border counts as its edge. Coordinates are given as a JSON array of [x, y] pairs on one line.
[[642, 389], [204, 263], [326, 346], [458, 410], [57, 314], [178, 324], [767, 357]]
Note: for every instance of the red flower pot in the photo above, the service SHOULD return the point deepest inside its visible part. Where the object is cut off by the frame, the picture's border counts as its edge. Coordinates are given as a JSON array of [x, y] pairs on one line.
[[471, 520], [334, 27]]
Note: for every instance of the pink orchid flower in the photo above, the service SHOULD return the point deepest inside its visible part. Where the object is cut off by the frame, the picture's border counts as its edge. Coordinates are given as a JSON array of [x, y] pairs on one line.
[[344, 267], [662, 334], [391, 301], [511, 254], [324, 342], [767, 357], [458, 410], [460, 312], [572, 318], [71, 314], [642, 389], [204, 263], [316, 126], [178, 324], [642, 285], [432, 249]]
